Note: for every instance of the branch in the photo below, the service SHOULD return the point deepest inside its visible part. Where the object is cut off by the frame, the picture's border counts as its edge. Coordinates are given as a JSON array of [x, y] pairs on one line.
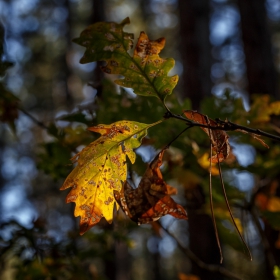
[[43, 126], [199, 262], [228, 125], [223, 125], [39, 123]]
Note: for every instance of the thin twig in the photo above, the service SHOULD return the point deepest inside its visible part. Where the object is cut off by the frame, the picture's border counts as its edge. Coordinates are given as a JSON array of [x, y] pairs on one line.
[[168, 145], [42, 125], [39, 123], [166, 108], [199, 262], [233, 126], [211, 196], [230, 212]]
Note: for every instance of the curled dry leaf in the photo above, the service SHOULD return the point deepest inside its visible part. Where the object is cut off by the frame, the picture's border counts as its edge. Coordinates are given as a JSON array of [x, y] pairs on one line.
[[101, 169], [219, 138], [151, 200]]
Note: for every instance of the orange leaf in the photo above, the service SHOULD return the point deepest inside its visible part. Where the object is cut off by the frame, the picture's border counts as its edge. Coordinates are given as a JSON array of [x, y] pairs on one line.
[[151, 200]]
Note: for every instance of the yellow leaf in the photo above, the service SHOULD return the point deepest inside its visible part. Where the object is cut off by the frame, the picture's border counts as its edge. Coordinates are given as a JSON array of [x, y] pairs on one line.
[[205, 163], [101, 169]]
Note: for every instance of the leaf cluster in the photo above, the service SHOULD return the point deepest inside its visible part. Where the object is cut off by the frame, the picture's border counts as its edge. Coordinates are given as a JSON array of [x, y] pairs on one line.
[[186, 162]]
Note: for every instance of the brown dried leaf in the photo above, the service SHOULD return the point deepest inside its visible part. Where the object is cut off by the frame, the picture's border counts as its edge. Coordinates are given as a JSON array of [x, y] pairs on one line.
[[219, 138], [151, 200]]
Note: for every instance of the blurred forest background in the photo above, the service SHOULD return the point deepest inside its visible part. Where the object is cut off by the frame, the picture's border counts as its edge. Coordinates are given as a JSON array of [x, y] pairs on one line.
[[227, 54]]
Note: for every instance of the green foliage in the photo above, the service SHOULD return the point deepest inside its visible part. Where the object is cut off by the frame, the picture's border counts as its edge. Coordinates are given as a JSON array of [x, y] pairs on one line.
[[54, 160], [145, 72]]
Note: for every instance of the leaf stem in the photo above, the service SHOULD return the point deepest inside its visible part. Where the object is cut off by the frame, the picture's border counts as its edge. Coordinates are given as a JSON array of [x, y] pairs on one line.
[[211, 204], [168, 145]]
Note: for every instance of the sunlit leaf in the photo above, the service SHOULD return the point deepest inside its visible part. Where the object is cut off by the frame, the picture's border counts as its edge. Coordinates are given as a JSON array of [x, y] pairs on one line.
[[101, 169]]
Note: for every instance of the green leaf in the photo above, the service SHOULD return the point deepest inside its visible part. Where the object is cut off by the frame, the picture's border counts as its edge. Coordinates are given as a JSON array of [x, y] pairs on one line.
[[101, 169], [145, 72]]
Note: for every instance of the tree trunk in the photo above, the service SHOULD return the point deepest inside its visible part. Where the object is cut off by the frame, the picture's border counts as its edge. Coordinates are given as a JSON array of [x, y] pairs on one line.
[[261, 72], [195, 50]]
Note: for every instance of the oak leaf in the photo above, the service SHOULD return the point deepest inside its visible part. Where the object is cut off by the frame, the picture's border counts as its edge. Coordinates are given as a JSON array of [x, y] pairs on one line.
[[219, 138], [101, 169], [151, 200], [145, 72]]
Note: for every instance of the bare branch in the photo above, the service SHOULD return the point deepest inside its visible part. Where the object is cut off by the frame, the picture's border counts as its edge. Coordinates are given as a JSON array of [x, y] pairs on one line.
[[224, 125], [39, 123]]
